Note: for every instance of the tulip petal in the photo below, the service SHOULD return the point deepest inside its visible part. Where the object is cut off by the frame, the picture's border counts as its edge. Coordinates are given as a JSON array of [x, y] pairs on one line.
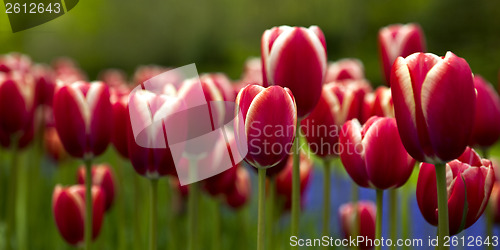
[[352, 152]]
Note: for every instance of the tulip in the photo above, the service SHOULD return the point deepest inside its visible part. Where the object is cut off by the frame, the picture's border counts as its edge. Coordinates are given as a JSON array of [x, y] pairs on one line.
[[345, 69], [53, 144], [295, 57], [399, 40], [284, 180], [68, 71], [364, 225], [114, 78], [103, 177], [268, 136], [252, 72], [378, 103], [68, 206], [120, 114], [222, 83], [16, 103], [469, 181], [486, 129], [45, 83], [238, 194], [495, 202], [15, 62], [146, 72]]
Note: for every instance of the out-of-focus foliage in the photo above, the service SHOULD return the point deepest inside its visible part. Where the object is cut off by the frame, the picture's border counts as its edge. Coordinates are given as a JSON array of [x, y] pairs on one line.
[[218, 35]]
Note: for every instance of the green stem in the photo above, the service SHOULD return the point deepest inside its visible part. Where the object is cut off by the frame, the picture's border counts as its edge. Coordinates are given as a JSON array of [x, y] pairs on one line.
[[378, 225], [138, 235], [261, 210], [88, 203], [354, 201], [326, 198], [271, 208], [217, 225], [296, 184], [153, 222], [12, 193], [171, 232], [442, 195], [193, 203], [406, 220], [393, 212]]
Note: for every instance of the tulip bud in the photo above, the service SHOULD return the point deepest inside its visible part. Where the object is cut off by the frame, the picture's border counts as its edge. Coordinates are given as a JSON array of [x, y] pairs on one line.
[[434, 105], [222, 83], [45, 83], [268, 135], [114, 78], [378, 103], [345, 69], [469, 183], [373, 155], [68, 206], [119, 102], [284, 180], [338, 103], [16, 103], [15, 62], [103, 177], [487, 122], [252, 72], [238, 194], [295, 57], [53, 144], [349, 213], [81, 113], [399, 40]]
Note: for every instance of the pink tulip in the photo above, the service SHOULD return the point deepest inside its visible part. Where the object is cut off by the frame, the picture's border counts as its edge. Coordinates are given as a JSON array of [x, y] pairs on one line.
[[252, 72], [399, 40], [366, 211], [295, 57], [103, 177], [68, 71], [268, 135], [82, 113], [222, 83], [338, 103], [434, 105], [378, 103], [487, 122], [114, 78], [15, 62], [68, 206], [345, 69], [469, 183], [373, 155], [238, 194]]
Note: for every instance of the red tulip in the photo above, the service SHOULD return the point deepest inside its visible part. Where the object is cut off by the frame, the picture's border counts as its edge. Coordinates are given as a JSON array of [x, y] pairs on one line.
[[238, 194], [434, 104], [103, 177], [68, 206], [366, 211], [119, 102], [495, 202], [267, 135], [45, 83], [114, 78], [295, 57], [284, 180], [82, 112], [345, 69], [222, 83], [252, 72], [338, 103], [399, 40], [373, 155], [487, 122], [378, 103], [15, 62], [146, 72], [68, 71], [469, 183], [53, 144], [16, 102]]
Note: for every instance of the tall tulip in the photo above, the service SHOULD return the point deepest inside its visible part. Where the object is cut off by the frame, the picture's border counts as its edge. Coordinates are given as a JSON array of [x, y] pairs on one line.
[[68, 206], [268, 136], [434, 105], [469, 181], [378, 103], [238, 194], [81, 113], [358, 220], [345, 69], [486, 129], [120, 114], [399, 40], [103, 177]]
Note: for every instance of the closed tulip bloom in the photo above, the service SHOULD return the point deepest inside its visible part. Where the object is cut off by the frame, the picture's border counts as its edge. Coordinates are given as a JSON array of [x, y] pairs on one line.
[[378, 103], [367, 214], [295, 57], [345, 69], [469, 183], [495, 202], [53, 145], [120, 114], [252, 72], [45, 83], [284, 180], [16, 103], [373, 154], [15, 62], [114, 78], [487, 122], [399, 40], [82, 112], [67, 71], [222, 83], [238, 194], [103, 177], [68, 206], [434, 105], [268, 135], [338, 103]]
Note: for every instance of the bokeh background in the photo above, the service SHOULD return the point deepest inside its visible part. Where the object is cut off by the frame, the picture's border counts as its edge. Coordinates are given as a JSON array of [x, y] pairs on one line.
[[219, 35]]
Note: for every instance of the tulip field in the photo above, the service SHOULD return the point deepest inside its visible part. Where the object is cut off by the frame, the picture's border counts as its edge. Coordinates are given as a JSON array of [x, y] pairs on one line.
[[301, 148]]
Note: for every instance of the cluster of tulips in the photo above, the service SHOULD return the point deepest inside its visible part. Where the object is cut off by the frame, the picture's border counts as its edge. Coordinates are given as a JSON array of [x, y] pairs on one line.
[[291, 104]]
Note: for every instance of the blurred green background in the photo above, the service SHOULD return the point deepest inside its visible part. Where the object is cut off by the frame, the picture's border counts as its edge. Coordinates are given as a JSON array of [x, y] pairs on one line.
[[218, 35]]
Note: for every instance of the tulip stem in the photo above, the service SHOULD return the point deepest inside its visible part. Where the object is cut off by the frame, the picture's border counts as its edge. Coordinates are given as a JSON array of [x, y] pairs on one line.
[[406, 219], [261, 210], [354, 201], [153, 223], [393, 212], [216, 240], [193, 203], [378, 225], [271, 208], [88, 203], [442, 195], [326, 198], [296, 184], [12, 192], [489, 224]]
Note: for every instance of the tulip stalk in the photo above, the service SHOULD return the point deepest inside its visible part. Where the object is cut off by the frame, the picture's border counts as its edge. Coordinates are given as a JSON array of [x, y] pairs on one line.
[[271, 208], [393, 212], [11, 196], [296, 182], [354, 200], [443, 227], [153, 223], [88, 203], [488, 211], [261, 209], [326, 198], [193, 203], [378, 222]]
